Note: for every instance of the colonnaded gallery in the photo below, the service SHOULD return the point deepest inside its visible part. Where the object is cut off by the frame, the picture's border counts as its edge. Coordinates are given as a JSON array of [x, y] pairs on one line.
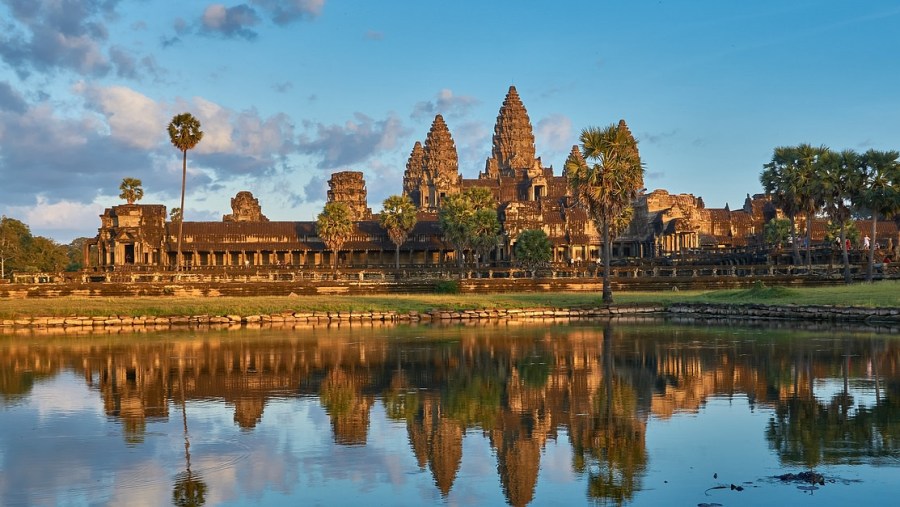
[[528, 196]]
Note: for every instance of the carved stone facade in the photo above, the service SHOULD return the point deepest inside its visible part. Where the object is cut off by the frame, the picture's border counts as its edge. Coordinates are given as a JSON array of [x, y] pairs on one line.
[[245, 208], [349, 187], [527, 194]]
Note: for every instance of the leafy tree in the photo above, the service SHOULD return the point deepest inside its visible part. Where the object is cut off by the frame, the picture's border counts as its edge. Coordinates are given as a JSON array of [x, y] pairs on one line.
[[469, 221], [879, 192], [132, 191], [45, 255], [484, 231], [334, 225], [175, 215], [185, 134], [606, 187], [533, 249], [777, 231], [398, 217], [15, 237], [453, 217], [75, 254]]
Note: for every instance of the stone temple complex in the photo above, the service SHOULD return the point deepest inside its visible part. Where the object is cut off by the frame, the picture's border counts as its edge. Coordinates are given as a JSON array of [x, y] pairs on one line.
[[528, 195]]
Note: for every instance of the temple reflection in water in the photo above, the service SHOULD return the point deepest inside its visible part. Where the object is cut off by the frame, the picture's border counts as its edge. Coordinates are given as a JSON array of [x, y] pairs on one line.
[[596, 385]]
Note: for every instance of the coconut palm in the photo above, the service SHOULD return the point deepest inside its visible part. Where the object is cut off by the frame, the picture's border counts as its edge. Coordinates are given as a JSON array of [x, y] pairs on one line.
[[398, 217], [334, 225], [185, 134], [606, 187], [132, 191], [879, 192]]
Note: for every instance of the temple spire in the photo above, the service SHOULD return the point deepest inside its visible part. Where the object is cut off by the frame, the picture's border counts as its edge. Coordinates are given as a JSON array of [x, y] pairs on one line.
[[513, 142]]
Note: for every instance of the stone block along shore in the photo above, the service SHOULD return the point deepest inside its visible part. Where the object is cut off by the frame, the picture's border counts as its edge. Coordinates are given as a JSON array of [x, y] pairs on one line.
[[695, 311]]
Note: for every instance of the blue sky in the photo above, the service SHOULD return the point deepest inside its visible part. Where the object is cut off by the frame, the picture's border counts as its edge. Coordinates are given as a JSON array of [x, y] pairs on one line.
[[289, 91]]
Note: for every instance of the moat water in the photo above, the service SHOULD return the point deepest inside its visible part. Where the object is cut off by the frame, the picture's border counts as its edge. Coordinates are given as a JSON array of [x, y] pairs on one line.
[[630, 412]]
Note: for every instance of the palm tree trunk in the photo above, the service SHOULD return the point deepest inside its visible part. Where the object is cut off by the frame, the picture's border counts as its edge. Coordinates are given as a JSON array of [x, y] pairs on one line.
[[809, 217], [178, 259], [795, 248], [397, 256], [845, 254], [607, 252], [870, 268]]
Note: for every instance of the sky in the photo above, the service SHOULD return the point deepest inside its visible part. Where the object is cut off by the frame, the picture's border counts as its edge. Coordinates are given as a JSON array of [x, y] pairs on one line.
[[290, 91]]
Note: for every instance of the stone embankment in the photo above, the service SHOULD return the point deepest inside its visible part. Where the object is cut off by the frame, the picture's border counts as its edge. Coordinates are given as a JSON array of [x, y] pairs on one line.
[[818, 313], [814, 313], [327, 317]]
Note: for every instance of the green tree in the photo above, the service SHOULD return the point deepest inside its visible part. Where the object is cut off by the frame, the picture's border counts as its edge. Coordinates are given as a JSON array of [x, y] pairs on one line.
[[533, 249], [184, 132], [132, 191], [606, 187], [484, 231], [175, 215], [335, 226], [777, 231], [398, 217], [780, 182], [453, 217], [469, 222], [838, 179], [45, 256], [879, 193], [75, 254], [15, 237]]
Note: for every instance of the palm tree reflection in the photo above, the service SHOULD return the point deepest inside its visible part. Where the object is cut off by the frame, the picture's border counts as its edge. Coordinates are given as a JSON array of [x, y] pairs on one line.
[[189, 489]]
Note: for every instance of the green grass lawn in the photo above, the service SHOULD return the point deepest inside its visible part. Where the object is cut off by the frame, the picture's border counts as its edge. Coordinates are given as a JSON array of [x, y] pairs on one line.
[[879, 294]]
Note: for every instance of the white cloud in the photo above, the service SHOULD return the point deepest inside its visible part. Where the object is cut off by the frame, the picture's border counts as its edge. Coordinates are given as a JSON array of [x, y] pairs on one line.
[[133, 118], [62, 220], [554, 134]]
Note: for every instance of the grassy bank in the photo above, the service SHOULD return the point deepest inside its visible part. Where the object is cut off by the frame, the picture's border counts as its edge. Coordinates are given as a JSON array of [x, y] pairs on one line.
[[881, 294]]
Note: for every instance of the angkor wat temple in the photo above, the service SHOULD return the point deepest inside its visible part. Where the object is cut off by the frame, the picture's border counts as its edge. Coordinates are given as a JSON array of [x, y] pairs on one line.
[[528, 196]]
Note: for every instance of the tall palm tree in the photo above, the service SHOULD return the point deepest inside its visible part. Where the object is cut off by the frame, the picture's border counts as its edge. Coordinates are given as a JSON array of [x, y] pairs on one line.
[[809, 160], [880, 192], [335, 226], [780, 181], [838, 179], [398, 217], [185, 134], [606, 187], [132, 191]]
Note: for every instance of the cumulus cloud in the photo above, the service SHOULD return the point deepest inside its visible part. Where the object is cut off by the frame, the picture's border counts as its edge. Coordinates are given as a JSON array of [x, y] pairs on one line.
[[48, 34], [473, 144], [47, 218], [315, 190], [133, 118], [283, 12], [355, 141], [554, 134], [10, 99], [240, 21], [121, 133], [444, 103], [230, 21]]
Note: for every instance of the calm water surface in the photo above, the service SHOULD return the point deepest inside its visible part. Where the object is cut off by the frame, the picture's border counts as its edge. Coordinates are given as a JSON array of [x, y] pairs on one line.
[[627, 412]]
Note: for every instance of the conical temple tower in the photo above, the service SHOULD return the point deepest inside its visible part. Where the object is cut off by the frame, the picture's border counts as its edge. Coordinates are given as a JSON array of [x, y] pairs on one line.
[[513, 153]]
